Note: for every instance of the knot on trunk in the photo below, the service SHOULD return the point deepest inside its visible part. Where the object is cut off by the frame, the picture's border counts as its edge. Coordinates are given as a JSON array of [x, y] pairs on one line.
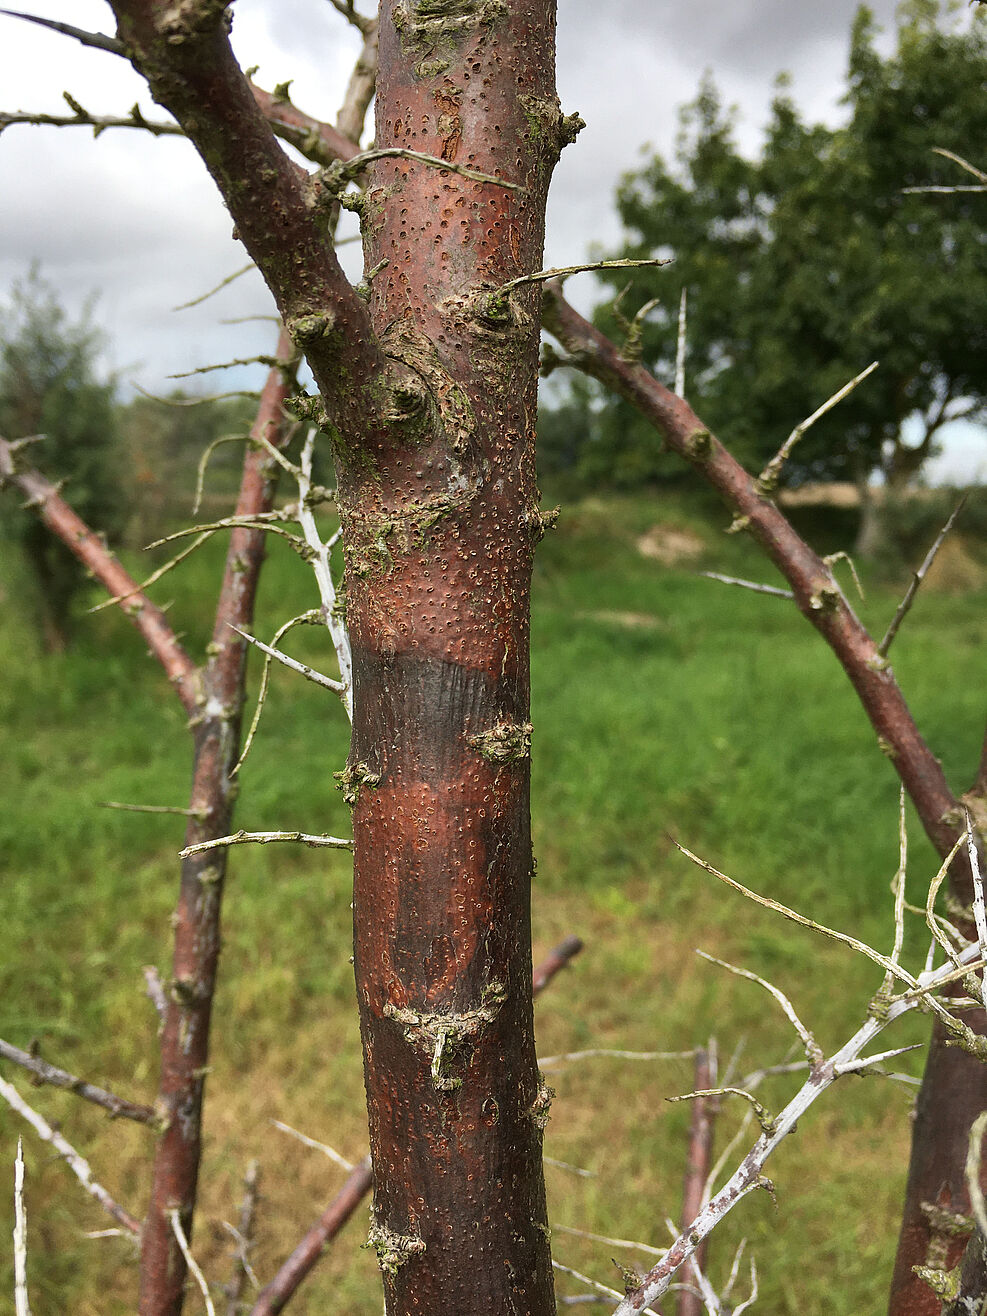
[[441, 1035], [507, 742], [393, 1250]]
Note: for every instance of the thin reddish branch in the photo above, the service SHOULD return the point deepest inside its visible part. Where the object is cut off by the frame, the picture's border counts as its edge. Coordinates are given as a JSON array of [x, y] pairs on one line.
[[817, 593], [316, 140], [566, 951], [698, 1161], [275, 1296], [216, 729], [52, 1076], [954, 1086], [91, 550], [184, 53]]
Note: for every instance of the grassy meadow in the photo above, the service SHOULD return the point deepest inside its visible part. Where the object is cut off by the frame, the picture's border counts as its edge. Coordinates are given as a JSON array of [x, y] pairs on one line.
[[663, 705]]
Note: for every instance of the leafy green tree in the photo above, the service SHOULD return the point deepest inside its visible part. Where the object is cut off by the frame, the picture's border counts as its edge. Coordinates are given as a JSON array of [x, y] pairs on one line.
[[806, 264], [51, 385]]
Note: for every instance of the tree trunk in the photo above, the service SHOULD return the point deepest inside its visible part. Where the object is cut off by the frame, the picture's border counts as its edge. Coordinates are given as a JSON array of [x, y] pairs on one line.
[[934, 1230], [872, 534], [440, 517]]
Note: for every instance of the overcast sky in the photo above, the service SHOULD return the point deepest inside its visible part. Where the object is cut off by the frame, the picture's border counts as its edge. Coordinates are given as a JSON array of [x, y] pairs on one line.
[[136, 219]]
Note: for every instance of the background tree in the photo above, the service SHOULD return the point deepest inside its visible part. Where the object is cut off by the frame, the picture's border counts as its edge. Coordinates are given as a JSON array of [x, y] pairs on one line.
[[51, 385], [810, 261]]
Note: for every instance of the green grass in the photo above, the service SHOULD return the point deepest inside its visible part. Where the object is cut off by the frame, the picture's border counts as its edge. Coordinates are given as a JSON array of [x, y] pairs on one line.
[[663, 705]]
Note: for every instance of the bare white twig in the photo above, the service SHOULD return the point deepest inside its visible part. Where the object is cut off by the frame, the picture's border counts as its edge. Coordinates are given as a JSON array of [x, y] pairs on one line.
[[242, 1237], [200, 475], [754, 585], [323, 1147], [840, 555], [155, 575], [752, 1298], [979, 907], [763, 1118], [964, 164], [898, 890], [265, 838], [76, 1163], [849, 1058], [931, 918], [611, 1242], [856, 1066], [176, 1224], [223, 283], [568, 1056], [698, 1282], [148, 808], [343, 171], [573, 1169], [323, 574], [22, 1306], [313, 615], [861, 947], [680, 348], [302, 669], [563, 272], [155, 991], [768, 479], [812, 1051], [595, 1285]]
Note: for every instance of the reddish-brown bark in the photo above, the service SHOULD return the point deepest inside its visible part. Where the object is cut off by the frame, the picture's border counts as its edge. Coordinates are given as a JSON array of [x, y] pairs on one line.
[[184, 53], [954, 1086], [440, 516], [275, 1296], [951, 1097], [216, 731]]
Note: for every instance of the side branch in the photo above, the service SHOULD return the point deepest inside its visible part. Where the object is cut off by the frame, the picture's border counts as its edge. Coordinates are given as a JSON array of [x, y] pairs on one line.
[[54, 1077], [317, 141], [89, 548], [817, 592], [185, 55]]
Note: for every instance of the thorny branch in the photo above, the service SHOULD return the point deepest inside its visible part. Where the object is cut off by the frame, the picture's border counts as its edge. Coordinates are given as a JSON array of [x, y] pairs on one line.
[[44, 1073], [90, 549], [904, 607], [823, 1072], [817, 592]]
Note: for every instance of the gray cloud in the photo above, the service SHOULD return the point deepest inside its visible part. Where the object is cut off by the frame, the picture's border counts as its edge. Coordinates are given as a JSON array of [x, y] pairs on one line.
[[139, 220]]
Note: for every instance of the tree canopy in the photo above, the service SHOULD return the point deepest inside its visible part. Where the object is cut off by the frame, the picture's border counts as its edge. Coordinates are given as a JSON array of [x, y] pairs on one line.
[[809, 262]]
